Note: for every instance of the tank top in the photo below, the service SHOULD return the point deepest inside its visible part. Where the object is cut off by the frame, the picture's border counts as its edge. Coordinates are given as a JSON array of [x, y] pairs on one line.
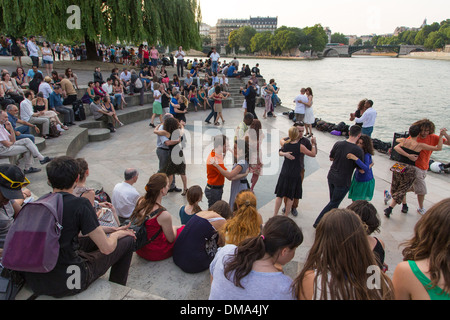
[[379, 253], [436, 293], [405, 160]]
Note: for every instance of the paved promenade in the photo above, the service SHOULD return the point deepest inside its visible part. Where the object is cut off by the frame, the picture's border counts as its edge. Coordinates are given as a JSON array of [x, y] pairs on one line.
[[135, 146]]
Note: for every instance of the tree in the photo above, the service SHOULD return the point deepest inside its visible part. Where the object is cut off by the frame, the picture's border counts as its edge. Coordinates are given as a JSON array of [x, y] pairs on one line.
[[171, 23], [316, 39], [339, 38]]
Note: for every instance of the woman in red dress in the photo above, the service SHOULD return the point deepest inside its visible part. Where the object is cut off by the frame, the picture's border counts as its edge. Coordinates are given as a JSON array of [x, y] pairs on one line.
[[161, 223]]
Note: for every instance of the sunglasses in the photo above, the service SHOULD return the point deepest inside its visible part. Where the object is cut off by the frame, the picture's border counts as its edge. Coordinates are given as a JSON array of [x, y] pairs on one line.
[[15, 184]]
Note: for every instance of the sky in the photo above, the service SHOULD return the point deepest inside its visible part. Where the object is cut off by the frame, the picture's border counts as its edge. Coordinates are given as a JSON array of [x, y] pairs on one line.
[[350, 17]]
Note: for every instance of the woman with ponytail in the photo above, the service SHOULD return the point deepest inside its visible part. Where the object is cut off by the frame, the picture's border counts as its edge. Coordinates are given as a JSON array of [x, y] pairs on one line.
[[246, 221], [157, 220], [251, 270]]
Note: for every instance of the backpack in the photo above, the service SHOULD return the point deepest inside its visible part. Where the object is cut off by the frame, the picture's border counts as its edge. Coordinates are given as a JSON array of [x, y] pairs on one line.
[[53, 130], [78, 110], [32, 242], [141, 231]]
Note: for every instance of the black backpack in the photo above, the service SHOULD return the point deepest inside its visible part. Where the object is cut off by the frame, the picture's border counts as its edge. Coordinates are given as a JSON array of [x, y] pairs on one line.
[[141, 231], [78, 110]]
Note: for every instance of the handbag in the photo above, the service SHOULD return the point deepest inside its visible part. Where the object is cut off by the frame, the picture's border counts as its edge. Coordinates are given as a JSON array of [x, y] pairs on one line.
[[106, 218], [11, 282], [398, 167]]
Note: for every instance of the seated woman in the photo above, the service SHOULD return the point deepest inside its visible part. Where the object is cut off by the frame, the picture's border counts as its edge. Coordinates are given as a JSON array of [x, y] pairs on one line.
[[89, 96], [11, 88], [160, 224], [193, 195], [164, 77], [200, 239], [119, 96], [246, 221], [21, 78], [98, 90], [109, 107], [252, 270], [106, 213], [41, 104], [193, 97]]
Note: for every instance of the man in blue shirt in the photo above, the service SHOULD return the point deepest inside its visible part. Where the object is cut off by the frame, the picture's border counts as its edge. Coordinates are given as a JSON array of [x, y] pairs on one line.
[[23, 131], [232, 72], [55, 102]]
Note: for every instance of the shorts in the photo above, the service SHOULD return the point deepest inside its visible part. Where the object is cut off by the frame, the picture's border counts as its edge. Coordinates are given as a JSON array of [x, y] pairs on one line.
[[299, 117], [420, 187], [47, 61]]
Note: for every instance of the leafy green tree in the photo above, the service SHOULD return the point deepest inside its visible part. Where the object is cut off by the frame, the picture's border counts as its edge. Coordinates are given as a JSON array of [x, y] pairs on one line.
[[170, 23], [316, 39], [339, 38]]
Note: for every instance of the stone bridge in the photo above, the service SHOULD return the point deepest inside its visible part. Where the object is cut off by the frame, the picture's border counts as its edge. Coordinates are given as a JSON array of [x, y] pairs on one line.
[[348, 51]]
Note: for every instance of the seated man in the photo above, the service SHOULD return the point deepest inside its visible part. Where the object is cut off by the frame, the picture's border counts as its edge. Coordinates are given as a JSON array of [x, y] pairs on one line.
[[125, 196], [87, 257], [23, 131], [101, 115], [55, 103], [10, 147], [233, 72], [27, 114]]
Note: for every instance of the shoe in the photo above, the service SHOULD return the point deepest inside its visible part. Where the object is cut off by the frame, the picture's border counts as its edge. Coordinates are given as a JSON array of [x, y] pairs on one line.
[[283, 210], [306, 135], [387, 197], [421, 211], [294, 212], [121, 124], [208, 122], [175, 190], [388, 212], [31, 170], [45, 160], [152, 125], [184, 192], [405, 208]]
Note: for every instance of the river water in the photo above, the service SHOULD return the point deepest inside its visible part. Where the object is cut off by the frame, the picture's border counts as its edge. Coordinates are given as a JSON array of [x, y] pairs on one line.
[[403, 90]]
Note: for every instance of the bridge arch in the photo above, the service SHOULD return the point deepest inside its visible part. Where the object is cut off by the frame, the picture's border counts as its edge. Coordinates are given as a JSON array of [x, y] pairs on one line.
[[330, 52]]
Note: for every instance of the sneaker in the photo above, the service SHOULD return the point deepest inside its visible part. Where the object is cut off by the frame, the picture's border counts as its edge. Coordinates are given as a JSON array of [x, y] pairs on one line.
[[175, 190], [294, 212], [388, 212], [31, 170], [405, 208], [421, 211], [387, 197], [45, 160]]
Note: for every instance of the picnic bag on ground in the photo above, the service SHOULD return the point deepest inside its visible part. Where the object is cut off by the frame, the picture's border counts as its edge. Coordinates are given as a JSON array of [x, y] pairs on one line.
[[141, 231], [32, 242]]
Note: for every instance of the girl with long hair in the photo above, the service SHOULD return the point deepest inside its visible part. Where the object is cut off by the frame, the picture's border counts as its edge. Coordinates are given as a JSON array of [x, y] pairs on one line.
[[363, 184], [309, 114], [246, 221], [251, 270], [193, 196], [157, 220], [338, 263], [425, 272]]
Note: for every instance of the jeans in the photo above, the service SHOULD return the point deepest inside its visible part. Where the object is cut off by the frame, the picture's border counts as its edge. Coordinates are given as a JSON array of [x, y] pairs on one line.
[[213, 195], [215, 66], [213, 113], [24, 133], [367, 131], [180, 66], [337, 194], [67, 112], [35, 61]]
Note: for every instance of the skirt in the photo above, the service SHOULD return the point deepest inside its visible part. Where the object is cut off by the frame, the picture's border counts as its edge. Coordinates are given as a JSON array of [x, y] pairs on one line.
[[157, 108], [402, 183], [309, 116], [217, 107], [361, 190]]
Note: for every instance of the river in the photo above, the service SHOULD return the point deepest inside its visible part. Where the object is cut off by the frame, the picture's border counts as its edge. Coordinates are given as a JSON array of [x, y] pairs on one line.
[[403, 90]]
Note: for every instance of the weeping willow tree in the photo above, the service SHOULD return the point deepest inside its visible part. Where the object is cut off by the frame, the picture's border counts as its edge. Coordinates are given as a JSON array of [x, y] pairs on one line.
[[167, 22]]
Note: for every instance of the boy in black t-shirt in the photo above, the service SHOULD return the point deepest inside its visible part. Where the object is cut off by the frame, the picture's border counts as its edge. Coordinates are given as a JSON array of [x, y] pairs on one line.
[[82, 259], [341, 171]]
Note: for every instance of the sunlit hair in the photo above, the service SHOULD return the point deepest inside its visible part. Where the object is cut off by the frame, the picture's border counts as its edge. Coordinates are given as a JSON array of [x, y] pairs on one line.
[[145, 204], [293, 134], [245, 222], [431, 241], [340, 257], [279, 232], [426, 124]]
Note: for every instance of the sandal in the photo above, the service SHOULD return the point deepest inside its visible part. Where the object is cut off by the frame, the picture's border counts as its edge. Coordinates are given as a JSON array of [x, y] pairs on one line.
[[184, 192]]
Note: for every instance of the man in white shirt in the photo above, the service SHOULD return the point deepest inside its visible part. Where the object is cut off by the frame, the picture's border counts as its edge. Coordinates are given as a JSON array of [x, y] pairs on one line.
[[124, 197], [125, 77], [10, 147], [34, 51], [368, 118], [179, 55], [215, 56], [27, 114], [300, 107]]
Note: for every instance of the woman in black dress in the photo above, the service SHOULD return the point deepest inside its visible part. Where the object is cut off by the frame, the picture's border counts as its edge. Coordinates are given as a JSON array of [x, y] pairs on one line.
[[290, 182]]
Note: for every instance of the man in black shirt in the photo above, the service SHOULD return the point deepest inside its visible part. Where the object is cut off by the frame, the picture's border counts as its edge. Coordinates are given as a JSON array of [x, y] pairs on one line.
[[341, 171], [82, 259]]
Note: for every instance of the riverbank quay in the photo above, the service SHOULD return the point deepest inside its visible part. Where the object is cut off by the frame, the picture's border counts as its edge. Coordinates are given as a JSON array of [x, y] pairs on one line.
[[428, 56], [134, 146], [164, 280]]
